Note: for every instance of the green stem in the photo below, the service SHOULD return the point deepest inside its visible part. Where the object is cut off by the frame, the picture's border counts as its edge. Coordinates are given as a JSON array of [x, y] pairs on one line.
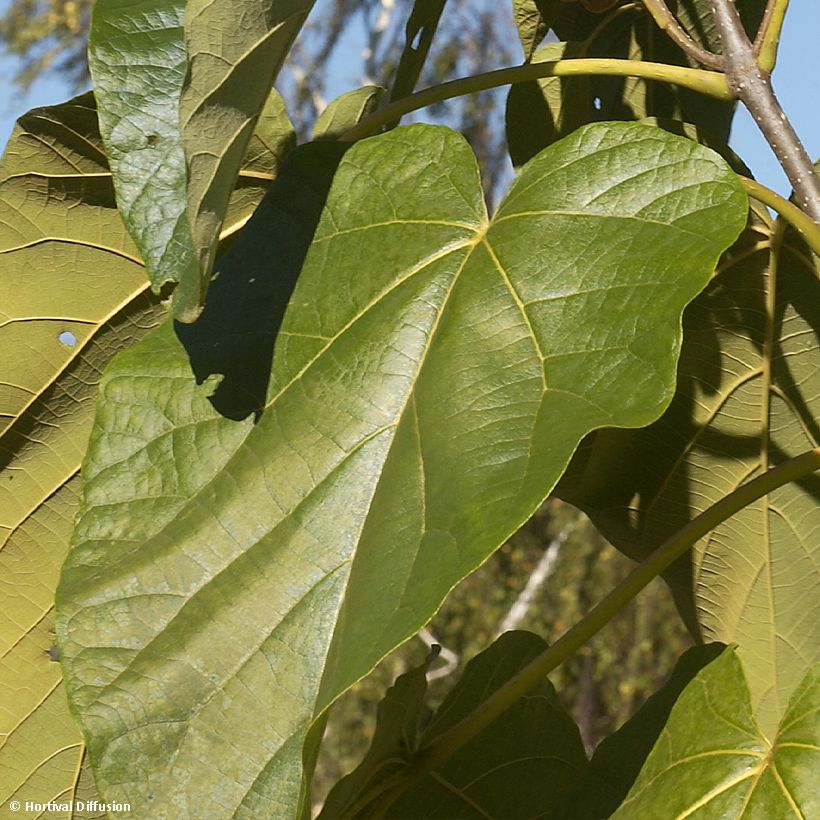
[[768, 38], [711, 83], [805, 225], [446, 744]]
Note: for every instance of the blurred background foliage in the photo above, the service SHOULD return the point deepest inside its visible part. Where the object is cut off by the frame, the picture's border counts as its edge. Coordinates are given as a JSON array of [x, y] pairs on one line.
[[557, 566], [544, 579]]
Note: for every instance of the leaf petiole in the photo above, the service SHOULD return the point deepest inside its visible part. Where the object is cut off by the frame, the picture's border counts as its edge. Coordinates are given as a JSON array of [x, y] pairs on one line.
[[711, 83], [801, 222]]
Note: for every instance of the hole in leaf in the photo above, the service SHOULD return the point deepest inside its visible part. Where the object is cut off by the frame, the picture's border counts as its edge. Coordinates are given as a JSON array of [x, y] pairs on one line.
[[597, 104], [67, 338], [416, 41]]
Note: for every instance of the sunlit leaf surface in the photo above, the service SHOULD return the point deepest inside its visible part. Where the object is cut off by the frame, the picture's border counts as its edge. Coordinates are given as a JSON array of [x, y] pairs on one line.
[[72, 295], [430, 380]]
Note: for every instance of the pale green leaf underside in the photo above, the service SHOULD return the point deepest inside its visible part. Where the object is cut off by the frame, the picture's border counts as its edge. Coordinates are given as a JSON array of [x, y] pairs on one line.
[[138, 61], [713, 760], [72, 296], [748, 398], [229, 79], [431, 378]]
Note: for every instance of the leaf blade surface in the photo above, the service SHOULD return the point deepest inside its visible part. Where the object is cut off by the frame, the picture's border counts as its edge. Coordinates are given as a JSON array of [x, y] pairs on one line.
[[422, 341]]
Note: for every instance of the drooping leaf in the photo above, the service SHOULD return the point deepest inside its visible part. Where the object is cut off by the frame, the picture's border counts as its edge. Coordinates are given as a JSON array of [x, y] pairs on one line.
[[748, 398], [419, 32], [235, 50], [543, 111], [714, 760], [533, 19], [618, 759], [138, 61], [72, 294], [515, 768], [346, 111], [429, 382]]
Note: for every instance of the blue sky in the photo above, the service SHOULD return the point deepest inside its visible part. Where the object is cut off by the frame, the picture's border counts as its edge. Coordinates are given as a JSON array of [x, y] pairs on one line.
[[796, 79]]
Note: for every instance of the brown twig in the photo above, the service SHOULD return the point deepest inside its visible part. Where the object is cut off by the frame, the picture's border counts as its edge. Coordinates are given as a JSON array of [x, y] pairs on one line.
[[752, 85]]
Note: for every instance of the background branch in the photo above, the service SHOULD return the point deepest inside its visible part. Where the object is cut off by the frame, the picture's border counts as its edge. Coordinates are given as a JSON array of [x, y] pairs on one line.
[[752, 85]]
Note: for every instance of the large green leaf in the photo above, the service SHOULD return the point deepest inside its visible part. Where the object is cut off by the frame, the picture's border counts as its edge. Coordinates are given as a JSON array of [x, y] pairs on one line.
[[713, 760], [748, 398], [235, 50], [432, 376], [138, 61], [72, 294], [515, 768]]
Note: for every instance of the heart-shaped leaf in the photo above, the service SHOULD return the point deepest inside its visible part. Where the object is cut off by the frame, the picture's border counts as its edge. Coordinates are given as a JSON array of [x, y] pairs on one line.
[[713, 760], [432, 376], [72, 294], [748, 398]]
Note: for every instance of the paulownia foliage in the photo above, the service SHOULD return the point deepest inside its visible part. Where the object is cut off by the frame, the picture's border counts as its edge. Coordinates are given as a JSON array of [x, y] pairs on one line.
[[516, 768], [748, 398], [430, 380], [72, 294], [629, 32], [345, 111], [138, 60], [714, 760], [618, 759], [229, 79]]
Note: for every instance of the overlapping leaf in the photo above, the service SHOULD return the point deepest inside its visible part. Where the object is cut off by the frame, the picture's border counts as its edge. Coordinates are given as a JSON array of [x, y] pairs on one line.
[[431, 378], [618, 759], [346, 111], [516, 768], [542, 111], [72, 294], [631, 33], [533, 19], [748, 398], [235, 50], [138, 60], [714, 760]]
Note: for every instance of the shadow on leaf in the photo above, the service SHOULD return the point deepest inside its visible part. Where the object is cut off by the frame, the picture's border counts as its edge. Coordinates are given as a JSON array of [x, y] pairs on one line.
[[253, 282]]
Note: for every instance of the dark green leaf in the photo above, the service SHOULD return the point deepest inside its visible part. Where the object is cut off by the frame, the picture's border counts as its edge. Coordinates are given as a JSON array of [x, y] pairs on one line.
[[423, 342], [421, 27], [542, 111], [533, 19], [516, 768]]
